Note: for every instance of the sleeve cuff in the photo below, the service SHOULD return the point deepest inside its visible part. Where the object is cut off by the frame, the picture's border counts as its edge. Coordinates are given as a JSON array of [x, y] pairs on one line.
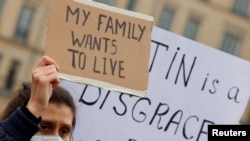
[[33, 118]]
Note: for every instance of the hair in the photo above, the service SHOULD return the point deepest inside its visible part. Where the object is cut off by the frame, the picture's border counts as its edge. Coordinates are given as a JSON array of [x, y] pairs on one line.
[[22, 95]]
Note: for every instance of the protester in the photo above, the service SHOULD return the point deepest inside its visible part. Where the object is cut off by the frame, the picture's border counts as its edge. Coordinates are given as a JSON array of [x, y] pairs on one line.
[[39, 108]]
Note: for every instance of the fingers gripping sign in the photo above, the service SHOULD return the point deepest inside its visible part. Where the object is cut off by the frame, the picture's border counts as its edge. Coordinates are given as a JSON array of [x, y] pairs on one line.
[[44, 79]]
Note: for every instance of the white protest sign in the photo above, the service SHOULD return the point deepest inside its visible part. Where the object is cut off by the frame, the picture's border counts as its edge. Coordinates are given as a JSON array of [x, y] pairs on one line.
[[191, 86]]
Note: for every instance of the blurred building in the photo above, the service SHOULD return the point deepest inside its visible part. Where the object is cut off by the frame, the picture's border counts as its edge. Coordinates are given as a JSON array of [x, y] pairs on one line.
[[22, 41], [221, 24]]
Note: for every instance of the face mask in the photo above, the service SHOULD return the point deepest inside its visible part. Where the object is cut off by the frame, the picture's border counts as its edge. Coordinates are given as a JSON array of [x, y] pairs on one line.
[[45, 138]]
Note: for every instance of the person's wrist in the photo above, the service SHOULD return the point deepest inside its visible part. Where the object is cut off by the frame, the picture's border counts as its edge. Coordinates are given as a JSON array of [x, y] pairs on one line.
[[35, 109]]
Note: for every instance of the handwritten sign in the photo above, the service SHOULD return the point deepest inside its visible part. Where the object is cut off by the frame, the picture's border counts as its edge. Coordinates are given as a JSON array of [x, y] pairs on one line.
[[100, 45], [191, 86]]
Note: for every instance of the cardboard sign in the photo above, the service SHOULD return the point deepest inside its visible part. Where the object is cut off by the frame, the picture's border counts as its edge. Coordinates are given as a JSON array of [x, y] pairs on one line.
[[100, 45], [191, 86]]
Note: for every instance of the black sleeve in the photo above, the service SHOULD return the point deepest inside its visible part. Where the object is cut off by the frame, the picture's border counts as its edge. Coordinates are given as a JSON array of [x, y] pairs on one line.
[[4, 136], [21, 125]]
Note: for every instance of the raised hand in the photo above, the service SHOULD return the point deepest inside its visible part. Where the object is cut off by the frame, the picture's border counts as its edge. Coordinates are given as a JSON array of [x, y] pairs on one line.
[[44, 79]]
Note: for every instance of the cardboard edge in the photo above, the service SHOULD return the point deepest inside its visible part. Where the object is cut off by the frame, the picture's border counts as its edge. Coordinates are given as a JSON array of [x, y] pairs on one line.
[[101, 84], [116, 10]]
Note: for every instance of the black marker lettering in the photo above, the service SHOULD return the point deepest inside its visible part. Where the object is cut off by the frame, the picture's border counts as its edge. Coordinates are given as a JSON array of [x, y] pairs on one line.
[[233, 94]]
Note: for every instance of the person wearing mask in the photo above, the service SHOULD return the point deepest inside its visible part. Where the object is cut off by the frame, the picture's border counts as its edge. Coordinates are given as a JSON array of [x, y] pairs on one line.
[[41, 107]]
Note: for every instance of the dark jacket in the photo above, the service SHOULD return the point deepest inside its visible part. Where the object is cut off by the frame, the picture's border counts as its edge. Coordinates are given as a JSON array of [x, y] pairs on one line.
[[20, 126]]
